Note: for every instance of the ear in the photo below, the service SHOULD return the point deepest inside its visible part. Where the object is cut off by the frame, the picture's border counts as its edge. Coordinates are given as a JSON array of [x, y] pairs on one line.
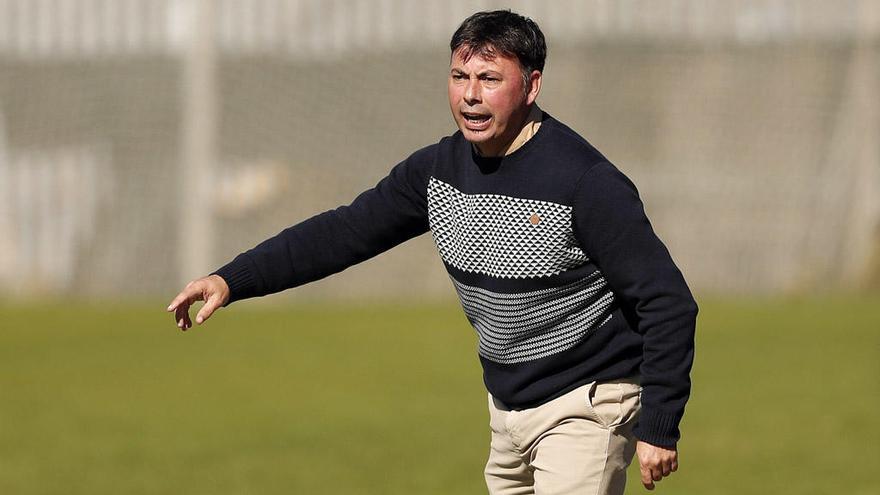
[[534, 87]]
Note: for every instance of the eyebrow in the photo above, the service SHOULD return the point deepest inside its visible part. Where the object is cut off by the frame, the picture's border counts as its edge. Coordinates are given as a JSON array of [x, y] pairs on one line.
[[494, 73]]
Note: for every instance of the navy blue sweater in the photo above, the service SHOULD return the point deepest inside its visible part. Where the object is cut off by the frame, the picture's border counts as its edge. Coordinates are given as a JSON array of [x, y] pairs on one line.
[[554, 261]]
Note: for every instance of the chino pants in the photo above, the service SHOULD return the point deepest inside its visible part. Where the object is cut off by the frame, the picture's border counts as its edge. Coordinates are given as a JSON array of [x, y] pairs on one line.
[[579, 443]]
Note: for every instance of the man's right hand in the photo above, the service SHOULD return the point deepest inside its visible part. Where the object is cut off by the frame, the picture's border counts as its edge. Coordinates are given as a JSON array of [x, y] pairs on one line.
[[211, 289]]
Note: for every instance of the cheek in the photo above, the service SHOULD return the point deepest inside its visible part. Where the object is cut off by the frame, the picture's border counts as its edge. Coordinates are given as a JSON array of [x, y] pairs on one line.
[[505, 103], [454, 96], [498, 105]]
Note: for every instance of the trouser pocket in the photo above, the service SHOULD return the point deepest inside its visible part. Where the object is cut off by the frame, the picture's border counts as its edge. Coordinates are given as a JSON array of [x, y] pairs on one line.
[[615, 402]]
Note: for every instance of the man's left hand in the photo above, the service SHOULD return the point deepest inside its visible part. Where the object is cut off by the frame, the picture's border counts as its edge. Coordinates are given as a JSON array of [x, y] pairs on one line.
[[655, 462]]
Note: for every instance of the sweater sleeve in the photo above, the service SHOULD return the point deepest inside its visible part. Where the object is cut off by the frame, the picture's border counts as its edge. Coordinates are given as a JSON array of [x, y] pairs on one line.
[[380, 218], [611, 225]]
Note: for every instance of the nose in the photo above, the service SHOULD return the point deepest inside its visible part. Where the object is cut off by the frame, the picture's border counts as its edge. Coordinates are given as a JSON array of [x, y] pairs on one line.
[[472, 92]]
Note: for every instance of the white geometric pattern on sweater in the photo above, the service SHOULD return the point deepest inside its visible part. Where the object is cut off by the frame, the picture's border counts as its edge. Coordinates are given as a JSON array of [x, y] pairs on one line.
[[501, 236], [514, 328]]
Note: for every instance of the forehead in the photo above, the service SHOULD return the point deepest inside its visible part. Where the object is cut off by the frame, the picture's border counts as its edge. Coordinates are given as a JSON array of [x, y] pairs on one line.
[[465, 58]]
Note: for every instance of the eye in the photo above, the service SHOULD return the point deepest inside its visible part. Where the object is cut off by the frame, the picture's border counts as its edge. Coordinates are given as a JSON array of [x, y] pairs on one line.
[[458, 77]]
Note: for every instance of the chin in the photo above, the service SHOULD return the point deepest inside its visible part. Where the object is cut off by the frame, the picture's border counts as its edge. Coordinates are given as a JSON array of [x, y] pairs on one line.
[[475, 137]]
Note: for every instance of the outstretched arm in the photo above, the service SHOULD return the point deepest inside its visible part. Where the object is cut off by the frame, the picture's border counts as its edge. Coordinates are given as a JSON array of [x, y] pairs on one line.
[[211, 289], [378, 219]]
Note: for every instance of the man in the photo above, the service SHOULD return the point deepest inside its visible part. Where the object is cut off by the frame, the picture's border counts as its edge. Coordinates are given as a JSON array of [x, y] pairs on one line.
[[585, 324]]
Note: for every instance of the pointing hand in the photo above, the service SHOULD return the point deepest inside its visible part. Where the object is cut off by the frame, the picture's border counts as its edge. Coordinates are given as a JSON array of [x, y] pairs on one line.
[[211, 289]]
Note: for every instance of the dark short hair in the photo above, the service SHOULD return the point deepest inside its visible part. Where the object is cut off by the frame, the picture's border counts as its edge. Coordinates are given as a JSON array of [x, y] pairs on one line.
[[502, 31]]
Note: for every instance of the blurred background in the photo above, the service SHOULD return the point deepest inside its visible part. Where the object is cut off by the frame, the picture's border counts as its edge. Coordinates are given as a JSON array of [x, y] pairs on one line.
[[144, 143]]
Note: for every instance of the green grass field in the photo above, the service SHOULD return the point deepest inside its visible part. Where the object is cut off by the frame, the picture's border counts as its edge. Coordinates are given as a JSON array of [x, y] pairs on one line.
[[388, 400]]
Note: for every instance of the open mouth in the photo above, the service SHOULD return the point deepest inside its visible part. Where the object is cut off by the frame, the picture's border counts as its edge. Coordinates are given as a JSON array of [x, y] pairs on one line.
[[476, 121]]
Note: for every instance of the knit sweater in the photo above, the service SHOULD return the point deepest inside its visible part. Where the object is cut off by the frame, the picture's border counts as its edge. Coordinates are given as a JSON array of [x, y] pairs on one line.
[[549, 249]]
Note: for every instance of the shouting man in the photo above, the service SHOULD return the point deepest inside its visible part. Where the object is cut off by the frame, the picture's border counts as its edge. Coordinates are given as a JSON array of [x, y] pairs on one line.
[[585, 324]]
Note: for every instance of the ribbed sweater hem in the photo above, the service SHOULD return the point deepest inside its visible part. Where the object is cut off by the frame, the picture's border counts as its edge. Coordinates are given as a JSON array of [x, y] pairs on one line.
[[240, 279], [658, 428]]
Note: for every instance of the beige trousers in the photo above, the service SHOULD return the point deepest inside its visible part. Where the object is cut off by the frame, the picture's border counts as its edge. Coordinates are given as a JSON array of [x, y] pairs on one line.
[[579, 443]]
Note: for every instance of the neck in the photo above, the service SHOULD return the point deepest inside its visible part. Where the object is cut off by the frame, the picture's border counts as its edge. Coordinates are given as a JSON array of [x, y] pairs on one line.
[[530, 126]]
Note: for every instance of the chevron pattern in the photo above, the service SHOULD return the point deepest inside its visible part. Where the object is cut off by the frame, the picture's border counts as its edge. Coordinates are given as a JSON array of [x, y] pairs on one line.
[[514, 328]]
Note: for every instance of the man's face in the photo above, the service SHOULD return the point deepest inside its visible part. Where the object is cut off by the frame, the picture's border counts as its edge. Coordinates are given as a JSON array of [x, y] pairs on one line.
[[488, 99]]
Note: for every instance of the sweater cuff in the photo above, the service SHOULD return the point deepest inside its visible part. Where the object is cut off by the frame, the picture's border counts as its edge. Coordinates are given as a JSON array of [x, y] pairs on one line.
[[658, 428], [240, 278]]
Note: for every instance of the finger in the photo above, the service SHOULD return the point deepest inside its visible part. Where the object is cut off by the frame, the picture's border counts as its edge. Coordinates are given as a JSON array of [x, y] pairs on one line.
[[656, 474], [184, 296], [666, 468], [674, 465], [180, 298], [646, 478], [181, 315], [208, 309], [189, 294]]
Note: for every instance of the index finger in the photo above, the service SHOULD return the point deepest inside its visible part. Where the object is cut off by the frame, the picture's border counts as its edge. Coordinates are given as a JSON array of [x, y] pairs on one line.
[[184, 295]]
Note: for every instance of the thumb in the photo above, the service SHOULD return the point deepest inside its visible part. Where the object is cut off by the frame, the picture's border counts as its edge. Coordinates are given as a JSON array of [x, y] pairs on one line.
[[213, 302]]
